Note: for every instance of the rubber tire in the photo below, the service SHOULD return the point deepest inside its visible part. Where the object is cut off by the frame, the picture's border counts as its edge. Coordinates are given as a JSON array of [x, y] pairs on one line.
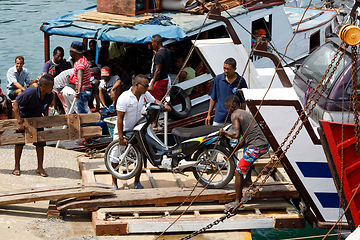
[[107, 159], [230, 165], [177, 92]]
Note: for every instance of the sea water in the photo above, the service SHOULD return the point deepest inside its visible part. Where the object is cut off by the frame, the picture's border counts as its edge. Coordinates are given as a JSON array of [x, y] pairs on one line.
[[20, 34]]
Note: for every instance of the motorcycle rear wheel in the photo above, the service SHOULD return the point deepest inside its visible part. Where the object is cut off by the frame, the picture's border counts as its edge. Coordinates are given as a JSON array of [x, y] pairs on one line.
[[214, 164], [128, 166]]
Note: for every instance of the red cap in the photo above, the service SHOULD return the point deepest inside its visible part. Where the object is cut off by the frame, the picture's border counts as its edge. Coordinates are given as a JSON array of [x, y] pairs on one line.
[[105, 72]]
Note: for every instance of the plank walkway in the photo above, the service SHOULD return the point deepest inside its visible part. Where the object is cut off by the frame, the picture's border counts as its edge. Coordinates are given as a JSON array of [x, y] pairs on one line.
[[152, 207]]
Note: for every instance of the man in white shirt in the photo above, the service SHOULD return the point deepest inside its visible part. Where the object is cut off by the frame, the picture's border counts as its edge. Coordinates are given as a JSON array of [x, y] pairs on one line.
[[18, 78], [128, 107]]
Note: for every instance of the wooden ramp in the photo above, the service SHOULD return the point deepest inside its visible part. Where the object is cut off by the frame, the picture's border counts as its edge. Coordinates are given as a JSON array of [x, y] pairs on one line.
[[150, 210]]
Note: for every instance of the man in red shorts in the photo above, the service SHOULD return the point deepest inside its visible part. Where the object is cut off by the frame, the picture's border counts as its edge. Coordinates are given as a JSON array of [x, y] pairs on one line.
[[253, 139], [159, 68]]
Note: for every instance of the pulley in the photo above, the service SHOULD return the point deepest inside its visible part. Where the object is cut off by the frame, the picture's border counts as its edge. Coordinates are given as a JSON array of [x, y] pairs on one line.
[[350, 34]]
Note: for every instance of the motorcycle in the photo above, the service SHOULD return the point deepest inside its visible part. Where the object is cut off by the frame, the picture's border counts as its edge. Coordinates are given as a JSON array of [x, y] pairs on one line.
[[196, 148]]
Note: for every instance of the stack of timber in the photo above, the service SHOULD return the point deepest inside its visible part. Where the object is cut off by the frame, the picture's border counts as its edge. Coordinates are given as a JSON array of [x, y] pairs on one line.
[[228, 4], [152, 209], [80, 191], [112, 19], [31, 134]]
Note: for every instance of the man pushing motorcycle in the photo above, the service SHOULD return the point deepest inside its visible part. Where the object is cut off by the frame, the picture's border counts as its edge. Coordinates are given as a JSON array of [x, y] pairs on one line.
[[128, 107], [253, 139]]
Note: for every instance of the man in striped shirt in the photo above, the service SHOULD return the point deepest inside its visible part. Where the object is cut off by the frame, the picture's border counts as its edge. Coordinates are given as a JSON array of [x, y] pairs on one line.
[[81, 77]]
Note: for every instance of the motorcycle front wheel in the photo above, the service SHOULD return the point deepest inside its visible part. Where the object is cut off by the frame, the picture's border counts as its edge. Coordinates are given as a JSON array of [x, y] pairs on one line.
[[129, 160], [212, 158]]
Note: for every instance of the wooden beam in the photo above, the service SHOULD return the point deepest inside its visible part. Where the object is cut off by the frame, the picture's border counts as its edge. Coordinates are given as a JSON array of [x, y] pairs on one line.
[[8, 125], [30, 130], [174, 195], [74, 126], [50, 193]]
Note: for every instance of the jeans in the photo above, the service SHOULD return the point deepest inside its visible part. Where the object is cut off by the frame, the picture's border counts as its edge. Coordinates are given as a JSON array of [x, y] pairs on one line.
[[83, 100]]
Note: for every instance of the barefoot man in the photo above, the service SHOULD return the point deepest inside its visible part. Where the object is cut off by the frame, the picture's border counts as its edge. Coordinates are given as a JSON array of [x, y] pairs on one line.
[[254, 142], [33, 102]]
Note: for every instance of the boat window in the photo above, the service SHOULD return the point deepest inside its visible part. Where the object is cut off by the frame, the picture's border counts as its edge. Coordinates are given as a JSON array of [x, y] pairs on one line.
[[328, 32], [315, 65], [348, 88], [264, 23], [314, 41]]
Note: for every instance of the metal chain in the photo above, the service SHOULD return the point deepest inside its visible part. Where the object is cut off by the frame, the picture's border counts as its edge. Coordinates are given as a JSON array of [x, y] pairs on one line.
[[228, 214], [354, 95], [303, 116]]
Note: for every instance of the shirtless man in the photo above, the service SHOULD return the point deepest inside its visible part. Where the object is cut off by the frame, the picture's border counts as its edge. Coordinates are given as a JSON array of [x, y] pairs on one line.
[[253, 139]]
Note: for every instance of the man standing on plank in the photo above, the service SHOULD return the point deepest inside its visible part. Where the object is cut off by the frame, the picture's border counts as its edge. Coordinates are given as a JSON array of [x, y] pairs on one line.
[[128, 107], [253, 139]]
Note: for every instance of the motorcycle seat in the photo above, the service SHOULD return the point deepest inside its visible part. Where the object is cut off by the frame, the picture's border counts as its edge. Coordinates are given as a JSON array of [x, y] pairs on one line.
[[183, 132]]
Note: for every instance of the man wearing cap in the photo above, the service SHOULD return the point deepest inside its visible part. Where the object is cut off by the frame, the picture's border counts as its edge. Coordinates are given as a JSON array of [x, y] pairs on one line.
[[109, 89], [81, 77]]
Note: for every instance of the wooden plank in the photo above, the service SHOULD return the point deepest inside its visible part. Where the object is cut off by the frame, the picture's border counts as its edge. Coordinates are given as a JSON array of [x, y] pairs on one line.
[[151, 179], [53, 135], [7, 125], [13, 138], [187, 223], [115, 16], [175, 195], [30, 130], [270, 203], [111, 19], [289, 222], [66, 193], [74, 126], [104, 22], [47, 121], [90, 131], [89, 118], [52, 188], [178, 180], [108, 228]]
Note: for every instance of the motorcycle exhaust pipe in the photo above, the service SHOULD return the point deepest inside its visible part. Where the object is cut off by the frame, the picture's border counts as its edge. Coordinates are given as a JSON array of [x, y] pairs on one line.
[[185, 164]]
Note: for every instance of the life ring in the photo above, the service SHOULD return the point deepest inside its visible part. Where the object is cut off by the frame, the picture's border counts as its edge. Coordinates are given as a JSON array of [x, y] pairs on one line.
[[177, 93]]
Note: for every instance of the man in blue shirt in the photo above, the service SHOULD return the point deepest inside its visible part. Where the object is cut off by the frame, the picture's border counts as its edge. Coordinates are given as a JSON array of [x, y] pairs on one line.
[[33, 102], [224, 85], [18, 78]]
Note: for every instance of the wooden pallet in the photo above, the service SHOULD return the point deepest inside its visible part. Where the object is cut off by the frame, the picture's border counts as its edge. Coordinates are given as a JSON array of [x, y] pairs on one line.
[[112, 19], [32, 135], [260, 213]]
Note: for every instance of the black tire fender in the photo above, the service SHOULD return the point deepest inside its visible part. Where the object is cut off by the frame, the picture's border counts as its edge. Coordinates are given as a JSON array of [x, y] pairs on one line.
[[179, 93]]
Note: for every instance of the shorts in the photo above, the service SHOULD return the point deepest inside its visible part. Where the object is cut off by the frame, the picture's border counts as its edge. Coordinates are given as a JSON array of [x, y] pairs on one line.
[[37, 144], [160, 89], [249, 157]]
